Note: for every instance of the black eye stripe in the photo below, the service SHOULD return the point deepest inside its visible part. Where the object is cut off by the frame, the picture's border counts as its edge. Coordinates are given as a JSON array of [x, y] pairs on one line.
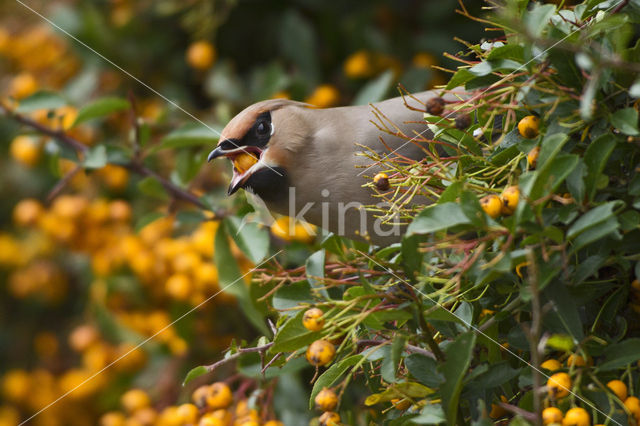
[[260, 132]]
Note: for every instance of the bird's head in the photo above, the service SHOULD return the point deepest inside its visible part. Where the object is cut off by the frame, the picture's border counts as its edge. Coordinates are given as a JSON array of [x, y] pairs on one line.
[[259, 142]]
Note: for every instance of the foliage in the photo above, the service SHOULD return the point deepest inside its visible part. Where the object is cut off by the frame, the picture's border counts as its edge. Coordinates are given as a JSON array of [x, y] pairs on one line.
[[120, 245]]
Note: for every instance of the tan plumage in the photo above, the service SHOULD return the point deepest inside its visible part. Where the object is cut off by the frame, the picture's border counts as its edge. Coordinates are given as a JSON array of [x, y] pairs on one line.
[[317, 150]]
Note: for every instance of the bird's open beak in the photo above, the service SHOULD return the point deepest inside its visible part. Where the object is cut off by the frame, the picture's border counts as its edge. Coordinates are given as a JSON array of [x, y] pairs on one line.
[[240, 177]]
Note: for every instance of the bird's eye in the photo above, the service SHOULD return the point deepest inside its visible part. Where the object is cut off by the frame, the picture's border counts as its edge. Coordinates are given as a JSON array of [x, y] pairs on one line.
[[263, 128]]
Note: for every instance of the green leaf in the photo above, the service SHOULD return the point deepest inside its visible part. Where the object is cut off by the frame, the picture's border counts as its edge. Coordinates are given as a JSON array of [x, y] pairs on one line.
[[438, 217], [194, 373], [458, 358], [251, 238], [332, 375], [551, 175], [550, 147], [315, 270], [431, 414], [191, 134], [626, 120], [152, 188], [537, 19], [96, 157], [508, 51], [291, 296], [460, 78], [41, 100], [231, 280], [376, 90], [293, 335], [100, 108], [621, 354], [595, 158], [593, 218], [298, 43], [424, 370], [390, 364]]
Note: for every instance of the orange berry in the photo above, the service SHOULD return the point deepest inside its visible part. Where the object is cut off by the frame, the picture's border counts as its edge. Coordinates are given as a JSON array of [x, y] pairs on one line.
[[559, 385], [82, 337], [313, 320], [529, 127], [25, 151], [201, 55], [576, 416], [326, 400], [551, 415], [329, 418], [27, 212], [532, 156], [134, 400], [359, 65], [492, 205], [510, 197], [324, 96], [179, 287], [219, 396], [575, 360], [619, 388], [113, 418], [551, 365], [321, 352], [16, 385], [274, 423], [199, 396], [401, 403], [633, 405], [23, 85], [188, 413]]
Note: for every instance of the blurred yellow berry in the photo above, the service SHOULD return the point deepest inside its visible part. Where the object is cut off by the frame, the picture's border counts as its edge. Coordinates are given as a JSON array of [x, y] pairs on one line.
[[324, 96], [144, 417], [551, 365], [80, 383], [114, 177], [492, 205], [27, 212], [559, 385], [186, 262], [178, 346], [401, 403], [313, 320], [424, 60], [529, 127], [510, 197], [329, 418], [283, 94], [575, 360], [5, 40], [532, 157], [199, 396], [130, 357], [179, 287], [326, 400], [321, 352], [188, 413], [619, 388], [284, 229], [551, 415], [82, 337], [206, 276], [219, 396], [274, 423], [113, 418], [134, 400], [16, 385], [359, 65], [576, 416], [23, 85], [210, 419], [201, 55], [25, 150]]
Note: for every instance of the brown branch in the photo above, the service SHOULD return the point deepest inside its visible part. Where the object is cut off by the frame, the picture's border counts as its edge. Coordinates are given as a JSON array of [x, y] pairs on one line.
[[237, 355]]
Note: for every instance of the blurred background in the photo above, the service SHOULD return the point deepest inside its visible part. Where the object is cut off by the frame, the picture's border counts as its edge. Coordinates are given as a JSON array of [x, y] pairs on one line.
[[94, 262]]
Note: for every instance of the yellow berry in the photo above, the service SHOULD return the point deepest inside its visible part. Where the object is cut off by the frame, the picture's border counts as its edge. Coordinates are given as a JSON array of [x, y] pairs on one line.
[[559, 385], [25, 150], [321, 352], [551, 365], [358, 65], [113, 418], [16, 385], [179, 287], [219, 396], [329, 418], [619, 388], [188, 413], [201, 55], [324, 96], [551, 415], [27, 212], [313, 320], [575, 360], [492, 205], [210, 419], [532, 156], [529, 127], [326, 400], [424, 60], [576, 417], [274, 423], [381, 181], [244, 161], [199, 396], [510, 197], [134, 400], [23, 85], [635, 286], [304, 232], [633, 405]]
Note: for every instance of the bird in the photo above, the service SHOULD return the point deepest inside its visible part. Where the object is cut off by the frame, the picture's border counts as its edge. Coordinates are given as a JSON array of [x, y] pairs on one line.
[[308, 163]]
